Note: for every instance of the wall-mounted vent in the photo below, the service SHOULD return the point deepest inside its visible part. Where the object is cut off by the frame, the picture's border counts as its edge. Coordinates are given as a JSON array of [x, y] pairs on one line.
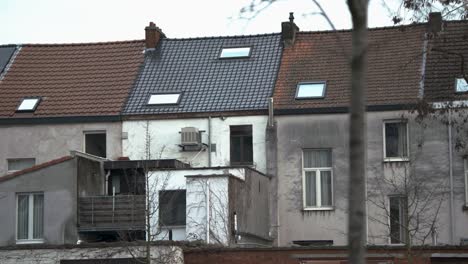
[[190, 139]]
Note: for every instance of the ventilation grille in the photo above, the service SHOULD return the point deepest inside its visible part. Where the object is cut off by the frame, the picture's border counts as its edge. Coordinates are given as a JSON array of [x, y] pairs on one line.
[[190, 136]]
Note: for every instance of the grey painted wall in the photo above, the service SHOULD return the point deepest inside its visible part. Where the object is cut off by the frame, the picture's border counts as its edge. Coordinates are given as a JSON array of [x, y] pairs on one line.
[[58, 183], [428, 161], [50, 141]]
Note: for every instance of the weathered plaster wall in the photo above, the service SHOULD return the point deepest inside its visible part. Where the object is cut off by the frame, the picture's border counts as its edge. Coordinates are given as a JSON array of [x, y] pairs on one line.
[[50, 141], [58, 183], [428, 162], [165, 139]]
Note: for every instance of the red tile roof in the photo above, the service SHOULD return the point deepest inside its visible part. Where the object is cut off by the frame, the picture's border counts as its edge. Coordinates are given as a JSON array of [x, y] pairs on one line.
[[444, 62], [72, 79], [394, 57], [34, 168]]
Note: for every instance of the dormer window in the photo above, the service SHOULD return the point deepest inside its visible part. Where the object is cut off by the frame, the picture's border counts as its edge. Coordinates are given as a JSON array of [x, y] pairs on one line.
[[461, 86], [164, 99], [28, 104], [241, 52], [310, 90]]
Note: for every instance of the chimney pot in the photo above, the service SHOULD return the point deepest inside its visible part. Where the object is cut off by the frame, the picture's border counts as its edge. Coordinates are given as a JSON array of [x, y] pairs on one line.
[[153, 35], [434, 23], [289, 30]]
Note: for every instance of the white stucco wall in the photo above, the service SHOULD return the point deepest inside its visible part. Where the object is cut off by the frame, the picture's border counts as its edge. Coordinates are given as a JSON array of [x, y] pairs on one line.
[[165, 139], [200, 185]]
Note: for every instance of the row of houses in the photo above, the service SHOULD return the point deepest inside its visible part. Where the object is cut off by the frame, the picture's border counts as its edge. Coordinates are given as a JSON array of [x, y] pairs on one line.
[[238, 141]]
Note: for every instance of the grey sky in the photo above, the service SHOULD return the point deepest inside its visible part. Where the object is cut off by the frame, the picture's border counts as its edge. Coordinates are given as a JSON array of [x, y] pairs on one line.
[[66, 21]]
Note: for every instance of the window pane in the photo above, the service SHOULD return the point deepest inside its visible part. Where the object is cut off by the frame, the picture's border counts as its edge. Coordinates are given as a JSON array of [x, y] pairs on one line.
[[235, 149], [241, 145], [397, 219], [96, 144], [235, 52], [310, 90], [317, 158], [28, 104], [23, 216], [38, 223], [162, 99], [462, 85], [310, 189], [396, 140], [326, 191], [20, 164], [172, 206]]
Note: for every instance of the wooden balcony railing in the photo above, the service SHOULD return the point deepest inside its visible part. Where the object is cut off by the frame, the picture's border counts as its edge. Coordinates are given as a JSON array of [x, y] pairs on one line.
[[109, 213]]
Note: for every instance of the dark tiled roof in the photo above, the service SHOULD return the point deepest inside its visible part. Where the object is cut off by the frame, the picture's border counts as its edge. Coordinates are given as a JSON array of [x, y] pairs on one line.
[[72, 79], [6, 52], [208, 84], [34, 168], [444, 62], [395, 60]]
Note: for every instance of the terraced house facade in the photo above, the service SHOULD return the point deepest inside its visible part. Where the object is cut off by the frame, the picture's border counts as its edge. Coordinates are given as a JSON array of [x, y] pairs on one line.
[[239, 141]]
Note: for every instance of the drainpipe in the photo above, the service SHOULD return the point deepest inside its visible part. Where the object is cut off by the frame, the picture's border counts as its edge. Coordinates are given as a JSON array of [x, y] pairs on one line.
[[107, 183], [452, 216], [209, 141]]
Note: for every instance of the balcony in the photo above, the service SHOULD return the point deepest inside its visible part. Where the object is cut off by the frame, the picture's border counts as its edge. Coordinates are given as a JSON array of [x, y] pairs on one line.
[[111, 213]]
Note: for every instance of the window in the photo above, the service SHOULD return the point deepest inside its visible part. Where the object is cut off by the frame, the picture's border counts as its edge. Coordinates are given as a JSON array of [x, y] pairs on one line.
[[30, 217], [241, 145], [395, 140], [397, 219], [28, 104], [241, 52], [466, 183], [172, 208], [20, 164], [95, 143], [317, 179], [164, 99], [310, 90], [461, 85]]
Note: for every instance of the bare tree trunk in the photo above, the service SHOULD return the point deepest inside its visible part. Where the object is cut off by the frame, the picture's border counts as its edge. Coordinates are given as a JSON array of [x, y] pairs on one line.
[[357, 190]]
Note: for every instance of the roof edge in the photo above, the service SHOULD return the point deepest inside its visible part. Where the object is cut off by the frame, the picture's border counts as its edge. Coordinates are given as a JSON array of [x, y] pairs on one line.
[[59, 120], [77, 43]]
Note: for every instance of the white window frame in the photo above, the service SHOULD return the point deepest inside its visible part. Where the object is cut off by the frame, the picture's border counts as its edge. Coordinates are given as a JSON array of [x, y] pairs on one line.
[[390, 159], [318, 189], [164, 98], [390, 220], [12, 171], [30, 240], [225, 52]]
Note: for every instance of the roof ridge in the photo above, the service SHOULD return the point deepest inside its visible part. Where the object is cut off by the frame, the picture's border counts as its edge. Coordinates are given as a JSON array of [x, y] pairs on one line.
[[81, 43], [226, 37], [370, 29]]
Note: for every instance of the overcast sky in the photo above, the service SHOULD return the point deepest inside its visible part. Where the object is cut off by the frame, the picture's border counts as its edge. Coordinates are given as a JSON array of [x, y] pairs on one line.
[[66, 21]]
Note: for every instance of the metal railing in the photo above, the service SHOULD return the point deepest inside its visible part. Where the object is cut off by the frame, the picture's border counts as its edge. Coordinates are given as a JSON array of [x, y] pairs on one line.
[[120, 212]]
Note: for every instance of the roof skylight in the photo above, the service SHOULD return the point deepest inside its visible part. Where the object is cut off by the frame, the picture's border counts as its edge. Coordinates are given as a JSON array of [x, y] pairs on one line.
[[461, 85], [28, 104], [164, 99], [241, 52], [308, 90]]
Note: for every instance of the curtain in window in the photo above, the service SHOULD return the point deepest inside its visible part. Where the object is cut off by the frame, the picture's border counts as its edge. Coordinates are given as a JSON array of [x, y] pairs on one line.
[[317, 158], [396, 140], [38, 221], [326, 192], [310, 187], [23, 216]]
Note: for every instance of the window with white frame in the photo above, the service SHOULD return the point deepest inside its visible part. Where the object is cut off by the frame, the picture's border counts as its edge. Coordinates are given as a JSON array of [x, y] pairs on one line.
[[395, 134], [397, 215], [317, 179], [30, 217], [20, 164]]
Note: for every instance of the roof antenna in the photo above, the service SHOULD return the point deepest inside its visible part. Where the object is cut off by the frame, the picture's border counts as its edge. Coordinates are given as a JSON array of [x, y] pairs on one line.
[[291, 17]]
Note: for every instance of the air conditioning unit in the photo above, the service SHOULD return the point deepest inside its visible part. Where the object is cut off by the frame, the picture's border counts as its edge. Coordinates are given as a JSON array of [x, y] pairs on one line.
[[190, 138]]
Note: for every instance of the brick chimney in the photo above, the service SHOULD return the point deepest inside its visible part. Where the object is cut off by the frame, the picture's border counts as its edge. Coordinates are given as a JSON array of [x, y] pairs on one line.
[[288, 31], [152, 35], [434, 23]]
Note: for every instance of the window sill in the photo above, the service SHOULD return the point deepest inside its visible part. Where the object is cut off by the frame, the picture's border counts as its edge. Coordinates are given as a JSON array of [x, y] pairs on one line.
[[330, 208], [396, 160], [26, 242]]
